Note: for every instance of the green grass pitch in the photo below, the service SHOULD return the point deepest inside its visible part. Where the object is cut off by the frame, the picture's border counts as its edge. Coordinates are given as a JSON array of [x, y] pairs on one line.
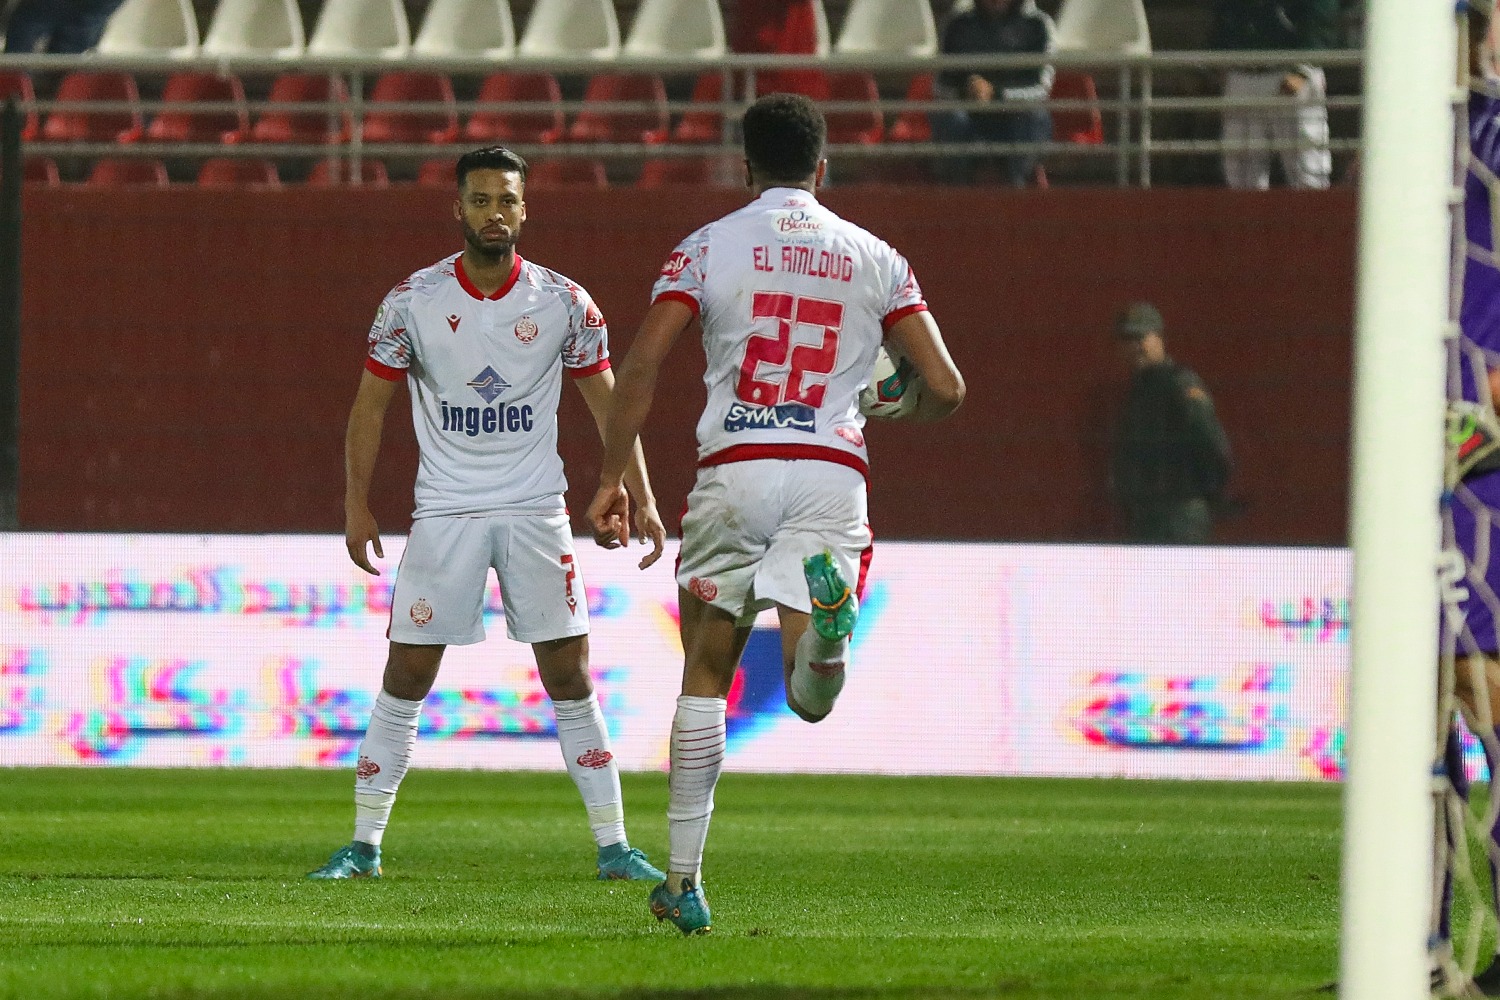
[[176, 884]]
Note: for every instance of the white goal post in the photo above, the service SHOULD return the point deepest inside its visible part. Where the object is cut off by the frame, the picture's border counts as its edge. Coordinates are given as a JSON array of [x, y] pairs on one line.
[[1401, 315]]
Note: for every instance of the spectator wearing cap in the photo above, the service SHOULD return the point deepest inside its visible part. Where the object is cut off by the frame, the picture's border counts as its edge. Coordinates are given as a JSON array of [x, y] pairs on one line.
[[1300, 125], [1170, 457]]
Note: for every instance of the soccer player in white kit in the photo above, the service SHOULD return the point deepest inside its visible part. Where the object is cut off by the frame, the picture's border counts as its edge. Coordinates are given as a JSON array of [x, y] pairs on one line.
[[794, 302], [481, 339]]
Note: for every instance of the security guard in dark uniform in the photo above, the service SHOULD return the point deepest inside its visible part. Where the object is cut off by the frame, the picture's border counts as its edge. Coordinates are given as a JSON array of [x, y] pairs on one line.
[[1171, 457]]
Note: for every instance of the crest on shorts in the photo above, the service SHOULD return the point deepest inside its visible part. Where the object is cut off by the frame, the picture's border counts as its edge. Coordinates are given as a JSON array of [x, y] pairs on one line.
[[852, 435], [703, 589], [595, 758], [526, 330], [421, 612]]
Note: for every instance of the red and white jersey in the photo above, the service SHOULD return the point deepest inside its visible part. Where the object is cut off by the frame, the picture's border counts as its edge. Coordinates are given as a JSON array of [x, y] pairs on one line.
[[485, 374], [794, 303]]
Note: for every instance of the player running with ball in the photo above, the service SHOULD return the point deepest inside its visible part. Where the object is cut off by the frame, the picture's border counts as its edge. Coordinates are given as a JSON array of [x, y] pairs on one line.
[[482, 339], [793, 301]]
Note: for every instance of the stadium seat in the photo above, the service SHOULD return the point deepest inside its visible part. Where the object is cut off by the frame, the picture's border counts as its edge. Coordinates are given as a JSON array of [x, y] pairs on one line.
[[863, 126], [888, 27], [18, 85], [571, 29], [281, 124], [41, 171], [336, 173], [270, 28], [669, 28], [914, 126], [1084, 126], [517, 126], [390, 125], [435, 173], [480, 29], [703, 126], [128, 173], [151, 28], [370, 29], [83, 125], [1114, 26], [597, 123], [237, 172], [567, 173], [171, 125], [689, 171]]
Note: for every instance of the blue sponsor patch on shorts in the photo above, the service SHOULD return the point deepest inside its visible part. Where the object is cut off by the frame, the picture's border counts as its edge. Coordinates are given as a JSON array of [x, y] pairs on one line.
[[786, 417]]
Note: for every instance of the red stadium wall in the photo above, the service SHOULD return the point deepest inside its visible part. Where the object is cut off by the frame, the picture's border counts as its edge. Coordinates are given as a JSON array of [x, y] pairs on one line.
[[189, 356]]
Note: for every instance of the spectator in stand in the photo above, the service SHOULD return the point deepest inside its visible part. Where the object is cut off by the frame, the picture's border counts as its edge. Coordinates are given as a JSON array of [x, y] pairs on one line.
[[1303, 124], [65, 27], [996, 27], [781, 27]]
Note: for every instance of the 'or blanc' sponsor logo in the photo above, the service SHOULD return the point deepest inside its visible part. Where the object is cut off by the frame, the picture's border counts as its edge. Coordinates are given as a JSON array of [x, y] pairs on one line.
[[595, 758], [526, 331], [703, 589], [366, 768], [421, 612], [796, 226], [785, 417]]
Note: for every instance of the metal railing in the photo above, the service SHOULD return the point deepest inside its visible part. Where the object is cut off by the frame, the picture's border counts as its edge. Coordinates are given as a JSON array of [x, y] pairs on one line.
[[1129, 105]]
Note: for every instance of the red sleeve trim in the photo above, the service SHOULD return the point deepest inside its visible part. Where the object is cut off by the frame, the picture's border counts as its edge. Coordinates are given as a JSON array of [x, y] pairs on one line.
[[593, 369], [786, 452], [672, 295], [384, 371], [892, 318]]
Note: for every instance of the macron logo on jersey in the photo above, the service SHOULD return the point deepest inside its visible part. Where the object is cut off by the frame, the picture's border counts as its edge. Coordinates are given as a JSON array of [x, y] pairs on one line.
[[489, 384], [786, 417]]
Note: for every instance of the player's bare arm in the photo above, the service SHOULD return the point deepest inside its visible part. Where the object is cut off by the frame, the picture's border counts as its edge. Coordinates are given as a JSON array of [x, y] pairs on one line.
[[361, 445], [921, 341], [598, 390], [634, 390]]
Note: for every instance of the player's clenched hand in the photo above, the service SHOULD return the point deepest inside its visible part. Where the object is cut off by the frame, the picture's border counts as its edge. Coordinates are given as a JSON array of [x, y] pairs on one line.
[[359, 531], [609, 517], [649, 528]]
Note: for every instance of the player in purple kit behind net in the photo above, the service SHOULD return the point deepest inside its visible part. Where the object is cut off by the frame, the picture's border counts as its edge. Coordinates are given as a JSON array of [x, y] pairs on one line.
[[794, 303], [482, 339]]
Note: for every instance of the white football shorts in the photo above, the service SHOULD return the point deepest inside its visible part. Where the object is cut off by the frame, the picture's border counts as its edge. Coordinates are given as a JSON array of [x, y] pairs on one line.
[[749, 525], [439, 593]]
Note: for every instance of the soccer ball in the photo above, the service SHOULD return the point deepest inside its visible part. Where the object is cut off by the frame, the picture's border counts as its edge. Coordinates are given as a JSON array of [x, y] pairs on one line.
[[895, 388]]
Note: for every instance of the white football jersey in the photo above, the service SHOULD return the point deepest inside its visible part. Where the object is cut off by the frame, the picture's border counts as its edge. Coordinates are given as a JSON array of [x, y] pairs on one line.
[[794, 303], [485, 374]]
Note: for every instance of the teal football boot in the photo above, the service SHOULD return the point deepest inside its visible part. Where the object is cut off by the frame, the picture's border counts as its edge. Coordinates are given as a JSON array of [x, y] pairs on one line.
[[687, 910], [835, 609], [621, 862], [356, 860]]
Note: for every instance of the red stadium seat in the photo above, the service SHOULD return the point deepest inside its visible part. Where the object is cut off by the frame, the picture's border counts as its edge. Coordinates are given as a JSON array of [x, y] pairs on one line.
[[703, 126], [517, 126], [237, 172], [914, 126], [372, 174], [83, 125], [678, 171], [859, 127], [18, 85], [172, 125], [128, 173], [567, 173], [435, 173], [1084, 126], [281, 124], [390, 125], [597, 123], [41, 171]]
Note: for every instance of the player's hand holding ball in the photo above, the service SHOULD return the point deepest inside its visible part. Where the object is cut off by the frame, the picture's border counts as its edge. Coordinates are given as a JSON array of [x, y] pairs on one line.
[[895, 389]]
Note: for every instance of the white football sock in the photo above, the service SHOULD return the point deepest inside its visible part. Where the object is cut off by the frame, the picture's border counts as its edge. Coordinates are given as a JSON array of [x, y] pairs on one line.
[[697, 757], [585, 749], [383, 759], [818, 672]]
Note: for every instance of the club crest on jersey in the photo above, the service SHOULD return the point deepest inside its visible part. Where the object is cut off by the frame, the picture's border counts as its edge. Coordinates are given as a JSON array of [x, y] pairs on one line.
[[489, 384], [526, 330], [453, 322], [421, 612], [676, 264], [785, 417]]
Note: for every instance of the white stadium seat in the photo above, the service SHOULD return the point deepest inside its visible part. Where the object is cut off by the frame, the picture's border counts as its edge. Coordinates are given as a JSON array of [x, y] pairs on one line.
[[666, 28], [1116, 26], [151, 27], [256, 28], [889, 27], [579, 29], [361, 29], [477, 28]]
